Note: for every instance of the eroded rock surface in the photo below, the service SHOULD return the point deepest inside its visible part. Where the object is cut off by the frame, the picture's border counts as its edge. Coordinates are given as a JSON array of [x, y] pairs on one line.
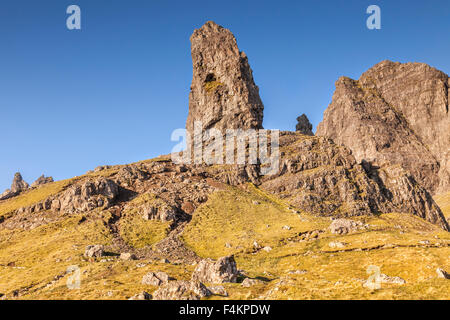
[[18, 185], [396, 113], [223, 93], [41, 180]]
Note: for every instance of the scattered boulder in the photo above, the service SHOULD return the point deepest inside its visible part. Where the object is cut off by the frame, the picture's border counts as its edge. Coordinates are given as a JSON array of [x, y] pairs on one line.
[[442, 273], [250, 282], [181, 290], [220, 271], [127, 256], [336, 244], [218, 291], [94, 251], [304, 126], [344, 226], [383, 278], [141, 296], [156, 278], [41, 180]]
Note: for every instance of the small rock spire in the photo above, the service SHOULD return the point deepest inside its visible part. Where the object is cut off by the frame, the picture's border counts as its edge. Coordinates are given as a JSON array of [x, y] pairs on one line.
[[304, 126]]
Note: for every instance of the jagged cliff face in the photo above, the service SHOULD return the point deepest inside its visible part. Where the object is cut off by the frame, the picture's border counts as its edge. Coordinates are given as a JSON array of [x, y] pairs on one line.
[[223, 93], [398, 114]]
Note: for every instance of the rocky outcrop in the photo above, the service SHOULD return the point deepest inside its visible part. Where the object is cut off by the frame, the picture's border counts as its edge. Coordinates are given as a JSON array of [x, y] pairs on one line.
[[82, 197], [220, 271], [223, 93], [321, 177], [41, 180], [18, 185], [396, 113], [304, 126]]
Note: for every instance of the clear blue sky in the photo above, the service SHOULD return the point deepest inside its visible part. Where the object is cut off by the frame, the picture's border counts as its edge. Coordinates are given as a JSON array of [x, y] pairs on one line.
[[113, 92]]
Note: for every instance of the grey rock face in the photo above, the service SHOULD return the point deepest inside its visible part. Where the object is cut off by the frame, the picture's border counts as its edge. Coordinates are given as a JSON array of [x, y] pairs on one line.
[[220, 271], [304, 126], [223, 93], [396, 113]]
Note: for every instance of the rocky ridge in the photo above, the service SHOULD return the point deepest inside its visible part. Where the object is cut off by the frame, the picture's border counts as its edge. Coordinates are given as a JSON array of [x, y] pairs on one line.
[[399, 113]]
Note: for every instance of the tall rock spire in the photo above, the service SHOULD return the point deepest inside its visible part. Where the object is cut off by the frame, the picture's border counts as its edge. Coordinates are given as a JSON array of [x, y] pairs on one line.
[[223, 93]]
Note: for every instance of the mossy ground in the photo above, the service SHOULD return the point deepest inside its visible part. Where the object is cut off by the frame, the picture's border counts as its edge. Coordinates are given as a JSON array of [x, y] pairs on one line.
[[138, 232], [399, 244]]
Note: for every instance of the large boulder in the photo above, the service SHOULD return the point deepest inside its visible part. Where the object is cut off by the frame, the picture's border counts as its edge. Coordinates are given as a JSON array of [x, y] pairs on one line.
[[220, 271], [94, 251]]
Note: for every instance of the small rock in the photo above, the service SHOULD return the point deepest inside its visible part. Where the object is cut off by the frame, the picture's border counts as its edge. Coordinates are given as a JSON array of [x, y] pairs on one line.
[[94, 251], [127, 256], [141, 296], [250, 282], [228, 245], [255, 202], [442, 273], [164, 260], [155, 279], [336, 244], [297, 272], [218, 290], [286, 227], [267, 249], [344, 226]]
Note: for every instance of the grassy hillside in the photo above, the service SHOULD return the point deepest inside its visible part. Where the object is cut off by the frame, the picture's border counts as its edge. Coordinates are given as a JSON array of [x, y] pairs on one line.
[[34, 262]]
